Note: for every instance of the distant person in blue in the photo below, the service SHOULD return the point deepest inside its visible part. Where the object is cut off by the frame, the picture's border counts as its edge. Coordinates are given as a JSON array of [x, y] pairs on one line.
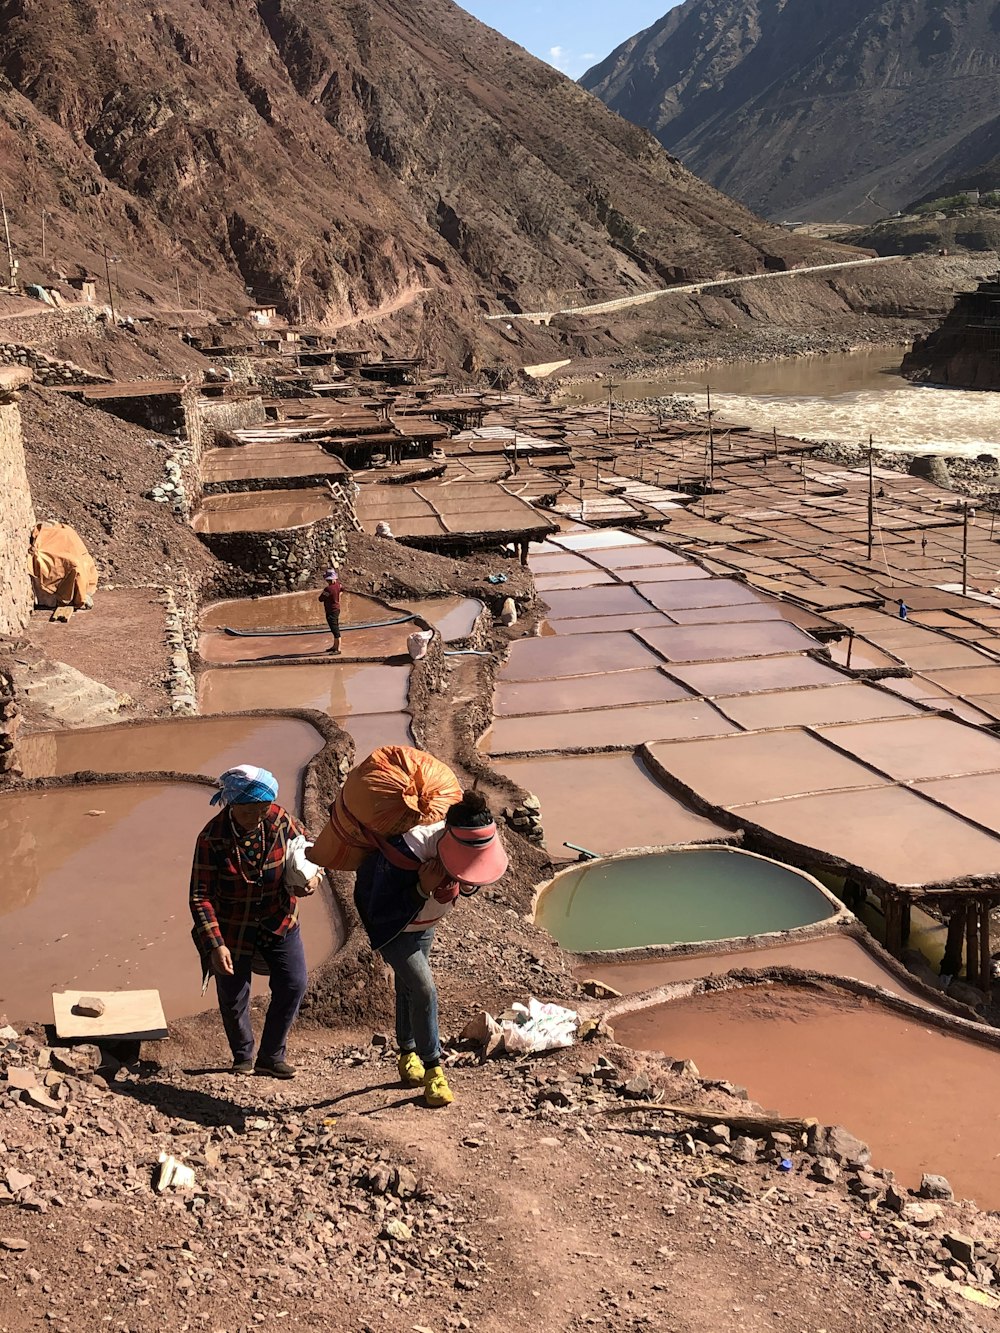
[[904, 611]]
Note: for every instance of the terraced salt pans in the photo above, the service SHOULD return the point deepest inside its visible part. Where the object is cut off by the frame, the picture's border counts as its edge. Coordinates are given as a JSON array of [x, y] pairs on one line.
[[837, 767]]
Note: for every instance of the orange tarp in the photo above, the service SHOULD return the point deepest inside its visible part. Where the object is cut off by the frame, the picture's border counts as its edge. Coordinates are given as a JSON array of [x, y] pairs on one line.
[[62, 571]]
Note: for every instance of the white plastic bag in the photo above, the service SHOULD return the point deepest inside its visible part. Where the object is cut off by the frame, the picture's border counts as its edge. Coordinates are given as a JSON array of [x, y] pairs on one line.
[[299, 870], [539, 1027], [418, 642]]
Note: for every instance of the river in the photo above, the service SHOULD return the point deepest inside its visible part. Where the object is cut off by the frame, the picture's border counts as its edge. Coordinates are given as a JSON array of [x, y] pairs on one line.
[[844, 397]]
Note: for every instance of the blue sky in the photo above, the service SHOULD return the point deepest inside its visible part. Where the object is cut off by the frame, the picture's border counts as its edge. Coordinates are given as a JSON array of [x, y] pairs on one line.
[[570, 34]]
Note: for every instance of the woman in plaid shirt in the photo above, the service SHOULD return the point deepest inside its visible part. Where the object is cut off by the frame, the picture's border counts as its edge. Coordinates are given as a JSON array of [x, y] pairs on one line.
[[243, 911]]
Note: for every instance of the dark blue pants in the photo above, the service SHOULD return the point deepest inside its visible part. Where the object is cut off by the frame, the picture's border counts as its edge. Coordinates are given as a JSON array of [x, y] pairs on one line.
[[416, 994], [287, 961]]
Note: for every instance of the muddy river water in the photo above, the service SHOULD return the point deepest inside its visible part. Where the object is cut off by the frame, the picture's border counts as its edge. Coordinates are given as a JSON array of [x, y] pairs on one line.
[[844, 396]]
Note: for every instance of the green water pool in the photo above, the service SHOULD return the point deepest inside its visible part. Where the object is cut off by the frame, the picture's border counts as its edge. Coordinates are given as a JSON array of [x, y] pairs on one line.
[[710, 893]]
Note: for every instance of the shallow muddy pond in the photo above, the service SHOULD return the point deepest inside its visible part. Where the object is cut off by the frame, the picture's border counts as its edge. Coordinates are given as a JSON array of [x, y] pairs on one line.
[[835, 955], [922, 1098], [96, 895], [206, 745], [677, 898], [339, 689]]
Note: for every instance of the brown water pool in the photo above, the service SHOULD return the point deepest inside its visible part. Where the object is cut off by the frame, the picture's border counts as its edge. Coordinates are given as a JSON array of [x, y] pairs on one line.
[[923, 1099], [837, 955], [608, 726], [454, 617], [261, 511], [289, 610], [514, 698], [95, 895], [589, 654], [385, 641], [207, 745], [339, 689], [606, 803]]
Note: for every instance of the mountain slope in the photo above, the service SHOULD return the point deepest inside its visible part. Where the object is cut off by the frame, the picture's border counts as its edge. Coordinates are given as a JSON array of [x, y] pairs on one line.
[[362, 156], [801, 108]]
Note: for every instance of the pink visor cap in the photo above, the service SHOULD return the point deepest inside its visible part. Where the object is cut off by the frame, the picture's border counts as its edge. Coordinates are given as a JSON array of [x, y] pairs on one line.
[[473, 855]]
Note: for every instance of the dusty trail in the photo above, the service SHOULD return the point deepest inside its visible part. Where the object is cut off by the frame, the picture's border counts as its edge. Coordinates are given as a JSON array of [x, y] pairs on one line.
[[534, 1209], [691, 288]]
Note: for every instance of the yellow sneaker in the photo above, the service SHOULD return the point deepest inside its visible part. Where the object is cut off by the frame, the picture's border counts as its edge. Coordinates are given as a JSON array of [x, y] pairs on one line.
[[436, 1090], [411, 1069]]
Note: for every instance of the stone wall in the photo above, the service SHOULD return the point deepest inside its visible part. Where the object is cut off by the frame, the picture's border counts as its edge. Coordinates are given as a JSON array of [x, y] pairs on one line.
[[225, 414], [17, 517], [46, 330], [9, 718], [282, 561], [170, 412], [49, 370]]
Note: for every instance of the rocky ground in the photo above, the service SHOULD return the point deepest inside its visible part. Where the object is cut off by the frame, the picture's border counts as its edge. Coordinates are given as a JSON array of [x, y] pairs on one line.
[[94, 471], [552, 1195]]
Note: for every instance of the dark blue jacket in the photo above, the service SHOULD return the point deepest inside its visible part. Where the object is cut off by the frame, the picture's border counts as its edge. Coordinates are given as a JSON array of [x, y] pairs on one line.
[[386, 895]]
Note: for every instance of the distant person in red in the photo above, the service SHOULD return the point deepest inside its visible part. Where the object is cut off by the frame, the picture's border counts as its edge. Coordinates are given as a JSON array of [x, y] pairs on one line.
[[330, 597]]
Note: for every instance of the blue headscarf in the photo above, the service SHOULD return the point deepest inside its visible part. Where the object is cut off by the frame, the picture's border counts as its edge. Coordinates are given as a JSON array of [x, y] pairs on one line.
[[245, 785]]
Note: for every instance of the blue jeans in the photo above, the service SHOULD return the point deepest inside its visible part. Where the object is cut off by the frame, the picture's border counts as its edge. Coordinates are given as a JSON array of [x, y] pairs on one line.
[[287, 961], [416, 994]]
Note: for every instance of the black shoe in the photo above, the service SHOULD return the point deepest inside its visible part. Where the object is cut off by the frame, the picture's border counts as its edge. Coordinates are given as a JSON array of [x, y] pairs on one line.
[[274, 1068], [242, 1066]]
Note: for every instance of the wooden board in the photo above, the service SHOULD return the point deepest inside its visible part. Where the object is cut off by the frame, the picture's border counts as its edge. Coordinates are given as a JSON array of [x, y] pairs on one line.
[[129, 1014]]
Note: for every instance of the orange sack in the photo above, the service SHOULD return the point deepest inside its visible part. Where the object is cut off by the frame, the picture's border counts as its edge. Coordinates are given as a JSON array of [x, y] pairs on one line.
[[393, 790]]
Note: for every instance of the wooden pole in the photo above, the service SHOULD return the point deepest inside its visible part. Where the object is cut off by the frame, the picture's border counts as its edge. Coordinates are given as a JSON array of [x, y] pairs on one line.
[[893, 925], [850, 649], [774, 437], [985, 969], [971, 945], [965, 550], [11, 266], [611, 393], [871, 499], [111, 295], [951, 963], [743, 1123]]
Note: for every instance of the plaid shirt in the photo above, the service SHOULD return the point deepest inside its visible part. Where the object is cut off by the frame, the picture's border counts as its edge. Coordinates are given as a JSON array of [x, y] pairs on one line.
[[238, 882]]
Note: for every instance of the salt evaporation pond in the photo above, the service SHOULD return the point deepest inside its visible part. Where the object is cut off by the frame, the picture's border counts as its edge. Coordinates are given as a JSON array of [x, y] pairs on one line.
[[95, 895], [206, 745], [681, 897], [921, 1097], [835, 955]]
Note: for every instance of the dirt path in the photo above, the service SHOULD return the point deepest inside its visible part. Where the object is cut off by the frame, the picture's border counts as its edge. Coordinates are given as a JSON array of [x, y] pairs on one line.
[[405, 298], [527, 1206], [691, 288]]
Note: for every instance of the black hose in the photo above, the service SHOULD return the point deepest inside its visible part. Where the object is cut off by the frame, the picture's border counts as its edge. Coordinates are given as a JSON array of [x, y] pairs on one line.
[[311, 629]]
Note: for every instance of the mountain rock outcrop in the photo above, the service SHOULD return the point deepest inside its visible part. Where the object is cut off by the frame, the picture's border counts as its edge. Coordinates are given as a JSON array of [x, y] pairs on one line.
[[367, 158], [807, 109]]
